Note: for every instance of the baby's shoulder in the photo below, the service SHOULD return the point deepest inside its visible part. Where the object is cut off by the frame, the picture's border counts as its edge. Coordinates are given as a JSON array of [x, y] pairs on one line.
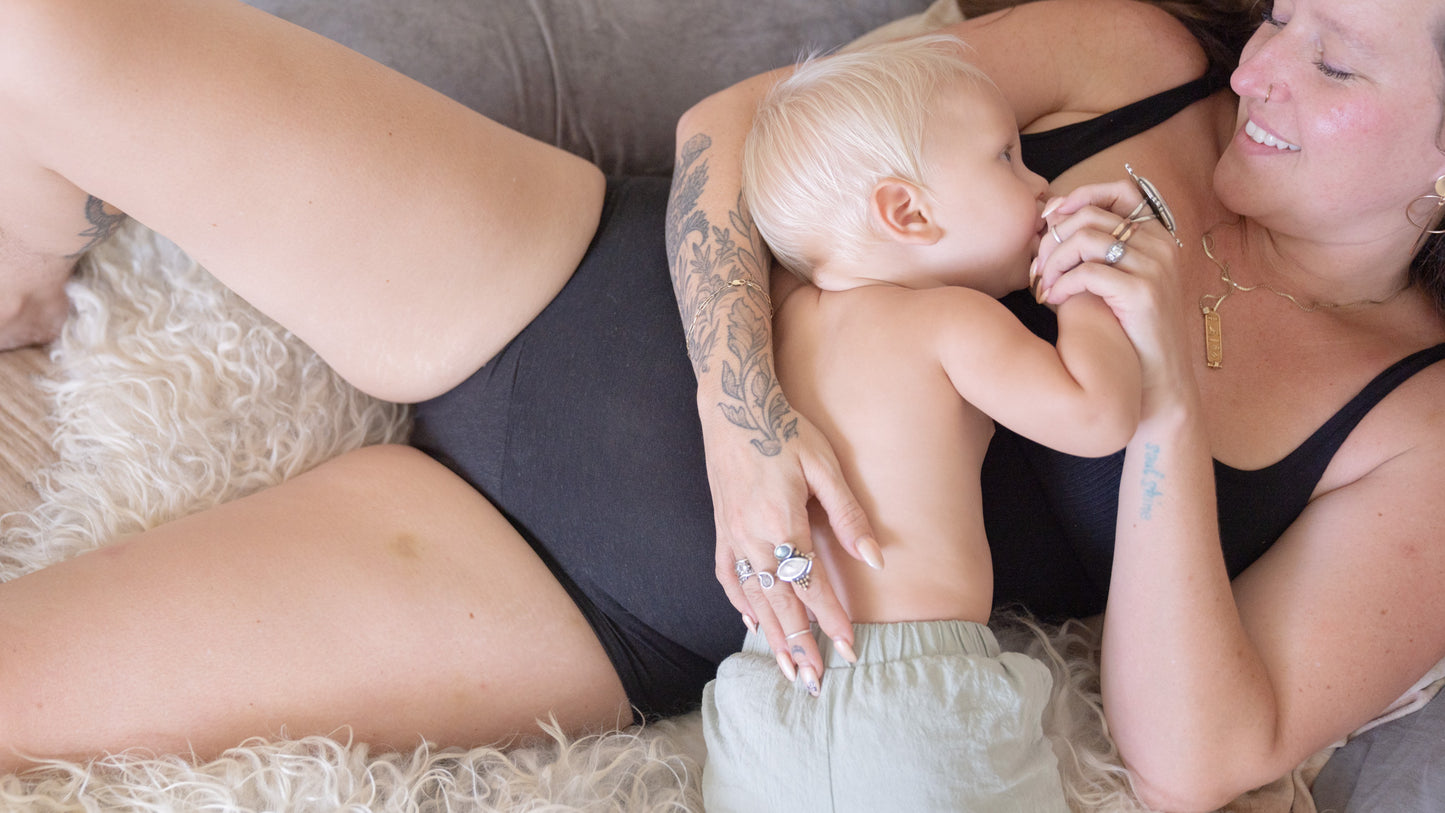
[[911, 321], [921, 308]]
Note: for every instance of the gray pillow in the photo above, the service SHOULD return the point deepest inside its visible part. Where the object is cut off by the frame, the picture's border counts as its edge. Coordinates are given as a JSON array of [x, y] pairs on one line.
[[605, 79]]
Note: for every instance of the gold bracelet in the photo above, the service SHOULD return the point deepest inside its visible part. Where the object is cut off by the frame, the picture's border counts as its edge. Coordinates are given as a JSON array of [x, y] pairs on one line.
[[712, 297]]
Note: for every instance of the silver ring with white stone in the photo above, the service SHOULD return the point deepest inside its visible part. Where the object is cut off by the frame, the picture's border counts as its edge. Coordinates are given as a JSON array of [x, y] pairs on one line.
[[793, 567], [1115, 252]]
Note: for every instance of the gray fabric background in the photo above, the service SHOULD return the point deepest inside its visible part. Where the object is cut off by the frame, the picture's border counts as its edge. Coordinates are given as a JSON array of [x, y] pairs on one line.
[[606, 79], [1398, 767]]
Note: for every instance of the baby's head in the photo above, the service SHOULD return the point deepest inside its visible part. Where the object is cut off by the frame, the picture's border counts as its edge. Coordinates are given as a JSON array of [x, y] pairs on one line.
[[835, 145]]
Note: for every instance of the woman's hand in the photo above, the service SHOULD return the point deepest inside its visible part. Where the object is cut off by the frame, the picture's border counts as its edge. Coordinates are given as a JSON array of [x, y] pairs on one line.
[[760, 500], [1139, 286]]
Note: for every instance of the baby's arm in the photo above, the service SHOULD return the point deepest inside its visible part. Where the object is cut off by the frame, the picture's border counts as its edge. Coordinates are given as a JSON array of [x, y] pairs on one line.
[[1080, 396]]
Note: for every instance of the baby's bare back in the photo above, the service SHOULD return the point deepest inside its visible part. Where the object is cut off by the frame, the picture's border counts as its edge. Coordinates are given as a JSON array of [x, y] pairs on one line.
[[860, 364]]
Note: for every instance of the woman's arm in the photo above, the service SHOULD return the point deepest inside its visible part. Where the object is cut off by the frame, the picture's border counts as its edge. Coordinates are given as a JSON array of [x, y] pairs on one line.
[[764, 459], [1212, 688]]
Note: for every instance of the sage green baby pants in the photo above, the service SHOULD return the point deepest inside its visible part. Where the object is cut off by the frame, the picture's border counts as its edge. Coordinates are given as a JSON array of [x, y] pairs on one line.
[[932, 717]]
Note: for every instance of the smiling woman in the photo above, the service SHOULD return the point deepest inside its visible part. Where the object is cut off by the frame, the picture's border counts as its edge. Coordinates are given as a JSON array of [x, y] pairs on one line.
[[1271, 512]]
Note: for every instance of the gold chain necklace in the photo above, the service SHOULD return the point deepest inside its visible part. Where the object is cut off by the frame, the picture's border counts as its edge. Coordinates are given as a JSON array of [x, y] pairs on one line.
[[1209, 305]]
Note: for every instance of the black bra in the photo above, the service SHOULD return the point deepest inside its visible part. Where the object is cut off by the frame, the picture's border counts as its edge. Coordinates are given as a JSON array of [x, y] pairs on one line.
[[1265, 501]]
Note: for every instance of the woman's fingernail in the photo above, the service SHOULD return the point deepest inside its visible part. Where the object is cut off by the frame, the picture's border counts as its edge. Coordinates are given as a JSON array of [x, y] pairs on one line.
[[845, 649], [750, 623], [868, 549], [785, 663], [1036, 288], [810, 680], [1053, 204]]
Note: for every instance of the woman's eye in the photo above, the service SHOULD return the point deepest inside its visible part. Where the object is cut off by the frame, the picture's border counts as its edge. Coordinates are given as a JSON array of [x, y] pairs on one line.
[[1332, 72]]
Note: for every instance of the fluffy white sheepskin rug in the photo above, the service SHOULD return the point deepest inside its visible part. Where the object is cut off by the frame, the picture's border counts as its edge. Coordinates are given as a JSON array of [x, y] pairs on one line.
[[172, 395]]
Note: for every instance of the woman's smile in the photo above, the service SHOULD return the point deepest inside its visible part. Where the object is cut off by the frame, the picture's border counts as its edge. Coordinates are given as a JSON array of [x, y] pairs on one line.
[[1262, 136]]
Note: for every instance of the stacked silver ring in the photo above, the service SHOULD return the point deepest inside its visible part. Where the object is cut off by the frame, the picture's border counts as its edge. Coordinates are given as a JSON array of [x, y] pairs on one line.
[[744, 569]]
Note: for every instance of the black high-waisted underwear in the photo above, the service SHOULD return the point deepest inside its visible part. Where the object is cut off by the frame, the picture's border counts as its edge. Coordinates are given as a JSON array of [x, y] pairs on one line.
[[584, 432]]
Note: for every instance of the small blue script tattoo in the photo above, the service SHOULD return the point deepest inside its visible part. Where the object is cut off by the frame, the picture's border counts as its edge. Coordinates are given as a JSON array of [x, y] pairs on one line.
[[1150, 480]]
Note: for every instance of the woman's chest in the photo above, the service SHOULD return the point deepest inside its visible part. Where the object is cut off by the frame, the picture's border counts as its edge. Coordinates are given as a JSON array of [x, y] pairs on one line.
[[1284, 374]]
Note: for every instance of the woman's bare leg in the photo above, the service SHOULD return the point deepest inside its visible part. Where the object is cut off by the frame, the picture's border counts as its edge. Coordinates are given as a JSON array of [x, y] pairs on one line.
[[402, 235], [378, 592]]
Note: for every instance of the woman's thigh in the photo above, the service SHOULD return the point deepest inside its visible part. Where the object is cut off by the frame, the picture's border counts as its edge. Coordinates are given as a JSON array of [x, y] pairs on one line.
[[377, 593], [402, 235]]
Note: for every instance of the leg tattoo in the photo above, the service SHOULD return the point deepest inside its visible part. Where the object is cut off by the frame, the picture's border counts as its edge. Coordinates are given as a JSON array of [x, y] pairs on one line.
[[103, 223]]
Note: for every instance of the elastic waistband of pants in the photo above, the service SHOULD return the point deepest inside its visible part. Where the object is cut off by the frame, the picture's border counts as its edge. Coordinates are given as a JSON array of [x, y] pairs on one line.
[[875, 643]]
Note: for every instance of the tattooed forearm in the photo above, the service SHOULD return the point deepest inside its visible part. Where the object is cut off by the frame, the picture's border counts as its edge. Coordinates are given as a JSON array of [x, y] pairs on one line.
[[704, 259], [103, 223], [1150, 480]]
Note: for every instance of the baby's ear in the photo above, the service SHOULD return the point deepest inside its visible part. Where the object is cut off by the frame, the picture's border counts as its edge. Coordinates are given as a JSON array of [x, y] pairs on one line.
[[901, 212]]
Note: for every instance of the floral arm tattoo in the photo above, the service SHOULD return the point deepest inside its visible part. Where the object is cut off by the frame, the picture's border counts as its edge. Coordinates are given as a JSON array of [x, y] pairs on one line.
[[103, 223], [728, 332]]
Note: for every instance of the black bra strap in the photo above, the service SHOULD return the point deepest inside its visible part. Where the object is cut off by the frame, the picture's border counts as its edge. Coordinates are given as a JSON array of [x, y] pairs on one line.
[[1311, 458], [1050, 152], [1345, 421]]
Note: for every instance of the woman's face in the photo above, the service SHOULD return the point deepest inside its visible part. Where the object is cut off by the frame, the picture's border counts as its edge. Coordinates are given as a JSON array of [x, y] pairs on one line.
[[1339, 119]]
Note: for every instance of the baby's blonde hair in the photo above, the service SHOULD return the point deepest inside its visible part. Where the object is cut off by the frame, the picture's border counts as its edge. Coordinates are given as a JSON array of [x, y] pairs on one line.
[[825, 136]]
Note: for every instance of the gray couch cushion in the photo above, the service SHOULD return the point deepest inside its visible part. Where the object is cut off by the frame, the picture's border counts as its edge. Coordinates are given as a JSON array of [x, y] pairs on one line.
[[1397, 767], [606, 79]]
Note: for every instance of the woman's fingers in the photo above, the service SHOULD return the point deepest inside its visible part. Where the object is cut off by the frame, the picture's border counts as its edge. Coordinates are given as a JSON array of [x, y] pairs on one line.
[[729, 575], [1101, 223], [845, 514], [1083, 236], [785, 587], [1131, 266], [768, 508], [797, 655]]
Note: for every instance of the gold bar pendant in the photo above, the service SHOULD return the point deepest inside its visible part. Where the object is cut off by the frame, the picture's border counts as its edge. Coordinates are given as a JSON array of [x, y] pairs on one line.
[[1213, 339]]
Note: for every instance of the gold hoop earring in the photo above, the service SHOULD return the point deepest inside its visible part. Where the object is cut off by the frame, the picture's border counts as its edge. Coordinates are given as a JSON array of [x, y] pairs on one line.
[[1268, 93], [1433, 214]]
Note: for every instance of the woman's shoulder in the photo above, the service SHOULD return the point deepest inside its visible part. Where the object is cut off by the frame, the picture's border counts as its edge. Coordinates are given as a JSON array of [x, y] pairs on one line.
[[1059, 61], [1155, 27]]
